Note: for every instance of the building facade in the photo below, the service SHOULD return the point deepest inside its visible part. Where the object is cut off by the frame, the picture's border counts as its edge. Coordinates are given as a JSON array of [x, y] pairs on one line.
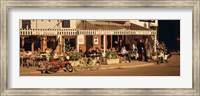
[[82, 34]]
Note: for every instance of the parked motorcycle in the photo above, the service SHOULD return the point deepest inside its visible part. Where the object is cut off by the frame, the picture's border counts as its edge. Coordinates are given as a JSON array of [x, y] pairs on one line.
[[54, 65], [163, 54]]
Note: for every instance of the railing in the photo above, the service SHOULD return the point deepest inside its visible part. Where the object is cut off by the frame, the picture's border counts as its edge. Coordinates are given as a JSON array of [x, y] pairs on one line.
[[84, 32], [48, 32]]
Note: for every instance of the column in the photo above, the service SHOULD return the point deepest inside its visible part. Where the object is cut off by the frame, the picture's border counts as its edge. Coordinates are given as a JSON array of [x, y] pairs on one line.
[[32, 46], [155, 39], [77, 41], [22, 42], [44, 43], [41, 43], [64, 45], [104, 44], [111, 41], [59, 43]]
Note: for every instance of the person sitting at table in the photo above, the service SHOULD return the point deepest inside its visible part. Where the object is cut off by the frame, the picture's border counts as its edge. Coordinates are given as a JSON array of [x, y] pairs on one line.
[[22, 52], [125, 54], [39, 50]]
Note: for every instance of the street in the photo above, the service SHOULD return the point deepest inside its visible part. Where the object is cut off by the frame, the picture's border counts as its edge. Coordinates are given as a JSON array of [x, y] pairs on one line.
[[135, 68]]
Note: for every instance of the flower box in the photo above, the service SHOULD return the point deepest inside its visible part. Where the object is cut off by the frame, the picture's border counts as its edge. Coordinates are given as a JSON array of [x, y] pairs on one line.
[[112, 61]]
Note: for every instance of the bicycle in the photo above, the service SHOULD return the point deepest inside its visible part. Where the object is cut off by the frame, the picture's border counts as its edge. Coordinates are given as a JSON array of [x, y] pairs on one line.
[[87, 63]]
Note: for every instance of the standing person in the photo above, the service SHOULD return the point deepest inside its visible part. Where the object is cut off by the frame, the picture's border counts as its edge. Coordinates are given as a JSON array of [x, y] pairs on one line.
[[147, 49], [140, 47], [116, 45], [120, 44]]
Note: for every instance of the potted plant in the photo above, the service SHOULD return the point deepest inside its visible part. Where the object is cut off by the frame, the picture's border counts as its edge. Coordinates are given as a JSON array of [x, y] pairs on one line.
[[111, 57], [74, 56], [154, 56]]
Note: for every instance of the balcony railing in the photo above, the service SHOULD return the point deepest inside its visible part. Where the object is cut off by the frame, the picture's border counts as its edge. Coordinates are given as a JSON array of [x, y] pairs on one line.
[[84, 32]]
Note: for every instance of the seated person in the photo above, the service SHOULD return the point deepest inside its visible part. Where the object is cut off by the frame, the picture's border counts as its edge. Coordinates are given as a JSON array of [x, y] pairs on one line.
[[125, 53]]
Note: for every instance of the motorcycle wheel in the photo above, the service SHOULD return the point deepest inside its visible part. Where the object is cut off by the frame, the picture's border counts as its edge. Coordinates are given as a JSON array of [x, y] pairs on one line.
[[158, 60], [69, 68], [168, 59]]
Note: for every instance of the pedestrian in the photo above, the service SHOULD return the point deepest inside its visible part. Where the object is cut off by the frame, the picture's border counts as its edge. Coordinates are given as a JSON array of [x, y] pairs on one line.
[[147, 49], [120, 45], [116, 44], [140, 47]]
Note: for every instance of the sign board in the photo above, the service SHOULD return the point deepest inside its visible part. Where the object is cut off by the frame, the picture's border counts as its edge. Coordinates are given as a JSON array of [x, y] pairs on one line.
[[95, 39], [80, 39]]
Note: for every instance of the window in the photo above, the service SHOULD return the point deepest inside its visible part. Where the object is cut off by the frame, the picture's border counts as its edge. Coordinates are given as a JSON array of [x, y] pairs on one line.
[[26, 23], [65, 23]]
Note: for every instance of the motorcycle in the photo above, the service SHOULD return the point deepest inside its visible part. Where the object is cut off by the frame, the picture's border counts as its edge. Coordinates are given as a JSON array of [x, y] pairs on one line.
[[163, 54], [54, 65]]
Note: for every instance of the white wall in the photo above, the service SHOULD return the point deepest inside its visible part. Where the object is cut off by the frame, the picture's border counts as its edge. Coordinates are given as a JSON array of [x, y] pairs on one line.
[[49, 24], [142, 23]]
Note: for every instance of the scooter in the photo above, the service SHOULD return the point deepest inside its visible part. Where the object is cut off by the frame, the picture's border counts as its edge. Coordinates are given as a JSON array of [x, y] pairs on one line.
[[54, 65], [163, 55]]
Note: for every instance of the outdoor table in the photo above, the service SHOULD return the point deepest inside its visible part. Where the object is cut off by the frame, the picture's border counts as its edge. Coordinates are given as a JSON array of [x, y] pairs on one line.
[[24, 58]]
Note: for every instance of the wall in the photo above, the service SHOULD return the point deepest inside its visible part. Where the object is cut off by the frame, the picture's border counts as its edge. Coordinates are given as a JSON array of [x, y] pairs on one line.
[[49, 24]]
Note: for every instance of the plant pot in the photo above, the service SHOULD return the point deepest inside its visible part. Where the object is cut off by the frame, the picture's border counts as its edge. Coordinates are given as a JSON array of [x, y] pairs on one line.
[[112, 61], [154, 57]]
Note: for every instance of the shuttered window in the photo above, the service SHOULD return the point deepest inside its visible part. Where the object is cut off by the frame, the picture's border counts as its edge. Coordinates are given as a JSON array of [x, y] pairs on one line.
[[65, 23], [26, 23]]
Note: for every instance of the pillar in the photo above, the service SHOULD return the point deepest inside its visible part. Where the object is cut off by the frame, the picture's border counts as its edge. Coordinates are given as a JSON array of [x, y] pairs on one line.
[[77, 45], [41, 43], [104, 44], [44, 43], [64, 45], [59, 43], [32, 46], [22, 42], [111, 41], [155, 39]]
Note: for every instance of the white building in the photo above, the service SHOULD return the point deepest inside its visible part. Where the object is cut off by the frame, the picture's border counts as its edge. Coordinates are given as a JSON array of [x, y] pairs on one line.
[[82, 34]]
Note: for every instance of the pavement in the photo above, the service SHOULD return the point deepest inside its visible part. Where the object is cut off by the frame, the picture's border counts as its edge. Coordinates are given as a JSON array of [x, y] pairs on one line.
[[132, 64]]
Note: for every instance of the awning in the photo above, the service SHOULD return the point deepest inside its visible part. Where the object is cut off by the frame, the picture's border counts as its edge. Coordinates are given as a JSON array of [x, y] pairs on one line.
[[109, 27], [85, 25]]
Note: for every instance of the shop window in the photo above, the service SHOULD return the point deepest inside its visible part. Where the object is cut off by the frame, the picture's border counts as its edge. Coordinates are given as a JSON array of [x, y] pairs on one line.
[[26, 24], [65, 23]]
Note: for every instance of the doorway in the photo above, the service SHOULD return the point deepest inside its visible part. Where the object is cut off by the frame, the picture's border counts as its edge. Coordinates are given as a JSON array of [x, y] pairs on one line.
[[89, 42]]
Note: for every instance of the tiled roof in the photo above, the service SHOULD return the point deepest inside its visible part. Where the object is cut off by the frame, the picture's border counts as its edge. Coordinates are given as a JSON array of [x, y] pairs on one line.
[[89, 26]]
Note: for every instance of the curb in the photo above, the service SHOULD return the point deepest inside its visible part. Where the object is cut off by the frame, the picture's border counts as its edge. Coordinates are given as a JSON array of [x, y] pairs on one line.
[[106, 67], [127, 66]]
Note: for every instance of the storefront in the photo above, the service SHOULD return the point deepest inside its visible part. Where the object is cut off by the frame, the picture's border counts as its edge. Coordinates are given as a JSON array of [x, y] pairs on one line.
[[84, 36]]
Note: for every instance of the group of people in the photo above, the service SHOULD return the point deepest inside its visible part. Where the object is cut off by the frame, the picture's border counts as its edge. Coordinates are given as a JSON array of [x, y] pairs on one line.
[[144, 49], [91, 50]]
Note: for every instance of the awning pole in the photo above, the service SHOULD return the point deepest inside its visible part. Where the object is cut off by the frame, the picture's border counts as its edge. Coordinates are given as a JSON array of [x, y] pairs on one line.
[[104, 44], [155, 38], [77, 43], [64, 45]]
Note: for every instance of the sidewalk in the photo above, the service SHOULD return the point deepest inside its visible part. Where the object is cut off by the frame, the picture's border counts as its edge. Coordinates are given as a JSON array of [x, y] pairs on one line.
[[133, 64]]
